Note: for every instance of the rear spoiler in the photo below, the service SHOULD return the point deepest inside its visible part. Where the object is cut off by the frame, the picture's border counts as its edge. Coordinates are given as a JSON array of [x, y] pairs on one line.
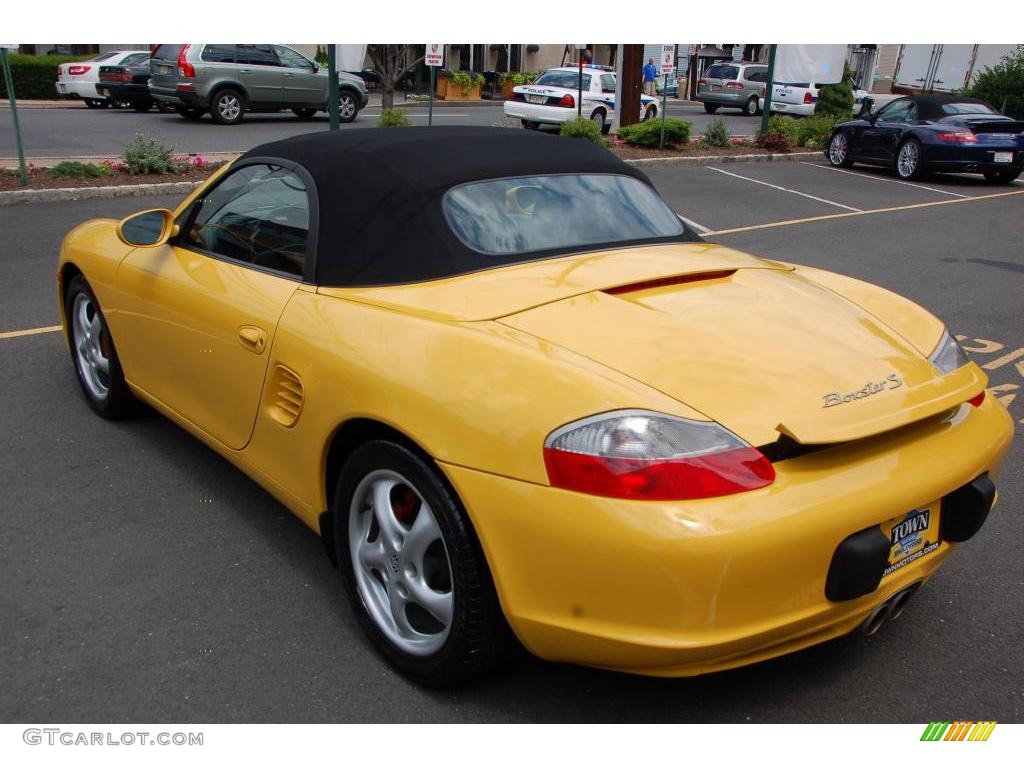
[[869, 417], [996, 126]]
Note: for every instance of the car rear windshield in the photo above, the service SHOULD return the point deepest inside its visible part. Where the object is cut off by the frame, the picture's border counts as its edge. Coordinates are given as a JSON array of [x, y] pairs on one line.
[[528, 214], [723, 71], [561, 78], [968, 108], [167, 52], [795, 85]]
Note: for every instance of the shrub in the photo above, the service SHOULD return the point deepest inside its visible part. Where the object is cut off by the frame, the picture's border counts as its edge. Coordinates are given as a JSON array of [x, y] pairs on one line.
[[582, 128], [813, 132], [144, 154], [464, 81], [781, 125], [648, 132], [1003, 81], [393, 118], [34, 76], [837, 98], [716, 134], [516, 78], [775, 142], [72, 169]]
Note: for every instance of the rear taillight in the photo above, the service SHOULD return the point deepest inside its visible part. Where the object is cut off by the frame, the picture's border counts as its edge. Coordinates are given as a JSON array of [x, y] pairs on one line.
[[649, 456], [701, 82], [567, 101], [78, 69], [958, 137], [808, 99], [185, 69], [733, 84]]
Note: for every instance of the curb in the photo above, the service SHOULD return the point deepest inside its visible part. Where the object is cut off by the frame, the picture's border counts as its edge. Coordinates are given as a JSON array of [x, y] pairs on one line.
[[176, 187]]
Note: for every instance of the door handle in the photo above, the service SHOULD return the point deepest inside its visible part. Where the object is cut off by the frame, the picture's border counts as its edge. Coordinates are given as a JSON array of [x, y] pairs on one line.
[[245, 71], [252, 338], [289, 74]]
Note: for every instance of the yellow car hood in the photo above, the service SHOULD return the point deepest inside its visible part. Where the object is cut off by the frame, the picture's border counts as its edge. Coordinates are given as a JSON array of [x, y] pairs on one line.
[[762, 351]]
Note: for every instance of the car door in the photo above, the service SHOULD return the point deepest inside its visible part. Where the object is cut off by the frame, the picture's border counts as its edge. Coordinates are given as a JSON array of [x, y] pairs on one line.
[[261, 74], [879, 139], [754, 80], [304, 85], [200, 313], [606, 85]]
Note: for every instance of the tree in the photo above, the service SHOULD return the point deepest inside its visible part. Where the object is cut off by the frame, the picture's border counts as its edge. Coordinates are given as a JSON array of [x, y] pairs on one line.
[[392, 63], [837, 98], [1003, 81]]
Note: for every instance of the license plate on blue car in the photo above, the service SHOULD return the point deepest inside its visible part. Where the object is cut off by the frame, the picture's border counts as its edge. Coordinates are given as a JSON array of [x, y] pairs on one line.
[[1004, 157]]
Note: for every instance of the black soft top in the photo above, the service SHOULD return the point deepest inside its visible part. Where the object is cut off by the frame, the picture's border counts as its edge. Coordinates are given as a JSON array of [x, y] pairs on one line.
[[379, 190], [930, 107]]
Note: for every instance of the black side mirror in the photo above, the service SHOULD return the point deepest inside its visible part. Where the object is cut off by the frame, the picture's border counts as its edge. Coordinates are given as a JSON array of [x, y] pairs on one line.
[[865, 109]]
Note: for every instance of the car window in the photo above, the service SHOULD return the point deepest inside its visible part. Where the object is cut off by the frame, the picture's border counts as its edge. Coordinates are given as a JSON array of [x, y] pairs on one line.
[[538, 213], [795, 85], [563, 78], [723, 72], [899, 111], [260, 55], [608, 83], [968, 108], [290, 58], [219, 53], [757, 75], [103, 56], [135, 58], [257, 215]]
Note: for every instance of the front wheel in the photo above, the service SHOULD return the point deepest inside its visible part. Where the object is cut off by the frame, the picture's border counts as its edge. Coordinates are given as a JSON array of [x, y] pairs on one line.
[[710, 108], [908, 160], [1001, 177], [305, 113], [348, 107], [839, 151], [413, 568], [228, 107]]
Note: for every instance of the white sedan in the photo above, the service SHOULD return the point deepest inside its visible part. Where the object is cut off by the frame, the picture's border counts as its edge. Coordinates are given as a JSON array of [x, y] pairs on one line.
[[80, 78], [551, 98], [801, 98]]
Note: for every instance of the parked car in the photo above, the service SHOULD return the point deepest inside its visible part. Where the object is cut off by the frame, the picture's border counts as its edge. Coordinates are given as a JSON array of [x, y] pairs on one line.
[[802, 98], [915, 135], [226, 80], [732, 84], [515, 391], [81, 78], [126, 84], [551, 98], [673, 85]]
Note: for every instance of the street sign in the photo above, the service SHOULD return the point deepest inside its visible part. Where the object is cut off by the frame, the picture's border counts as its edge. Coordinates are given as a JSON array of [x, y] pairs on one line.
[[435, 55], [737, 52], [668, 59]]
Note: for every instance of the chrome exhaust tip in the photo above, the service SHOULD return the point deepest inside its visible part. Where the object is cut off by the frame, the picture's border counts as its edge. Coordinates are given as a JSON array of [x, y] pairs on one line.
[[875, 619], [899, 602], [889, 610]]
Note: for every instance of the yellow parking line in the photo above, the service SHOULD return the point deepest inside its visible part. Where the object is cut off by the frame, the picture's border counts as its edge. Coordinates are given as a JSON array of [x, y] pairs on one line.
[[29, 332], [829, 216]]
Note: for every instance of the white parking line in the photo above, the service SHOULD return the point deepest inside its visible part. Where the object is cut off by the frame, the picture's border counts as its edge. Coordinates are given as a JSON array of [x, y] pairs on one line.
[[882, 178], [693, 224], [437, 113], [785, 189]]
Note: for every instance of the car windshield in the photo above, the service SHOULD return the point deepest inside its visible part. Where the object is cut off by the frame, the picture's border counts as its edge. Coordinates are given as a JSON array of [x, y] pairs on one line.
[[539, 213], [968, 108], [563, 78]]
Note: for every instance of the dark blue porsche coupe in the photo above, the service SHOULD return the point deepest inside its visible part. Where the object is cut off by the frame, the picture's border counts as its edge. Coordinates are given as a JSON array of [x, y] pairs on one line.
[[916, 135]]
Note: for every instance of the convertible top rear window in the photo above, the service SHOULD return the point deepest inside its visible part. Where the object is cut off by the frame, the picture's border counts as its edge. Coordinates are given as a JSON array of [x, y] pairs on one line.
[[527, 214], [971, 108]]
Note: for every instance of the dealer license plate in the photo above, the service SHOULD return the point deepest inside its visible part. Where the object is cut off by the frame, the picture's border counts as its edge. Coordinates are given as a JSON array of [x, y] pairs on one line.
[[911, 537], [536, 99], [1004, 157], [163, 69]]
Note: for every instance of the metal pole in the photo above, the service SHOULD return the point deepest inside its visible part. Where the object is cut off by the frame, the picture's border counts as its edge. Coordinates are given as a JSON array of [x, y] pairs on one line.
[[9, 81], [579, 88], [664, 110], [430, 108], [768, 89], [332, 85]]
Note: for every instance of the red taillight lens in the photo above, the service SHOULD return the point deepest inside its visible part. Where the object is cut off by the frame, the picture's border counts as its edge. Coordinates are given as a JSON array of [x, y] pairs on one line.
[[567, 101], [808, 99], [733, 84], [78, 70], [701, 82], [978, 399], [185, 69], [654, 457], [958, 137]]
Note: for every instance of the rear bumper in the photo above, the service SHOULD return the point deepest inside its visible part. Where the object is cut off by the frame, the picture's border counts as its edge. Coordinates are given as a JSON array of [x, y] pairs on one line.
[[83, 90], [791, 109], [539, 113], [123, 90], [722, 98], [176, 97], [687, 588], [977, 159]]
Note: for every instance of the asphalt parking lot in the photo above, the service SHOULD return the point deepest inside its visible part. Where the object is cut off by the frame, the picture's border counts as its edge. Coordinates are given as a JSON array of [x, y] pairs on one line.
[[129, 598]]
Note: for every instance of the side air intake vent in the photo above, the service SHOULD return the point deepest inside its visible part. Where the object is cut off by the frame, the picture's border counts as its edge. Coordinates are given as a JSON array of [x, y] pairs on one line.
[[286, 405]]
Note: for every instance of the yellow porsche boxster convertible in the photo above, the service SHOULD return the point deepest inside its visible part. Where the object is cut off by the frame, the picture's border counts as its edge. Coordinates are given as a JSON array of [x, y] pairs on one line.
[[520, 401]]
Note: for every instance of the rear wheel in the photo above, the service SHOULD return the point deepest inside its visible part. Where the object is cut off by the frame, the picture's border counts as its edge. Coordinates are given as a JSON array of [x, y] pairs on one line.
[[839, 150], [710, 108], [96, 103], [189, 113], [348, 106], [909, 164], [531, 125], [750, 108], [597, 118], [650, 113], [304, 112], [413, 568], [142, 105], [228, 107], [1001, 177]]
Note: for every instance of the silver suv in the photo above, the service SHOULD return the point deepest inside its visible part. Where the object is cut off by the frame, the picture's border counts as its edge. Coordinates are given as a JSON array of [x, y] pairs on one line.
[[732, 84], [228, 79]]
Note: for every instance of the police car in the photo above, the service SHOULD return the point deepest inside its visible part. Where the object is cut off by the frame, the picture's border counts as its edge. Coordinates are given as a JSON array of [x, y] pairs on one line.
[[551, 98]]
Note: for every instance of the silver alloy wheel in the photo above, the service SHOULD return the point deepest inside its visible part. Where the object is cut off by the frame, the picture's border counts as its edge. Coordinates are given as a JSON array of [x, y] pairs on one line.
[[837, 149], [346, 106], [228, 106], [908, 158], [751, 108], [400, 562], [87, 335], [598, 119]]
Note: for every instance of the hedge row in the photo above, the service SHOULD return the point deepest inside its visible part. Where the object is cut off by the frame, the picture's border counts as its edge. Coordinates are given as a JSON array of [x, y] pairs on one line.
[[34, 76]]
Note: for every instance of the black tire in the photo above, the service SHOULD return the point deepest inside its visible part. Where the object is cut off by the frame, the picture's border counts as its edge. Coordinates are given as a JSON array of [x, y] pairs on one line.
[[118, 400], [305, 113], [348, 105], [841, 157], [650, 114], [478, 632], [907, 173], [142, 105], [1001, 177], [189, 113], [750, 108], [227, 107], [598, 118], [710, 108], [531, 125], [165, 107], [96, 103]]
